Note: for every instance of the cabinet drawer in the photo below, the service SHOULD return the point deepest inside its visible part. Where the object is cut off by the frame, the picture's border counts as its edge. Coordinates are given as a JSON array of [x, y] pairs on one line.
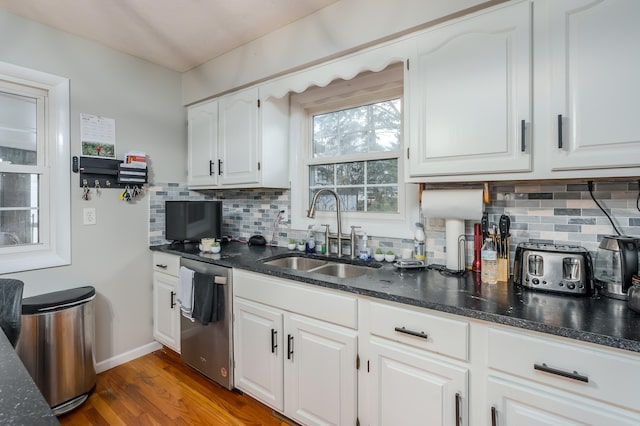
[[166, 263], [417, 328], [315, 302], [597, 373]]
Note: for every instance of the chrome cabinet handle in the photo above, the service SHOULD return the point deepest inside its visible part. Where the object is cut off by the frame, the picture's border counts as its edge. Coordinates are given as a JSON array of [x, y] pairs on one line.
[[458, 417], [411, 332], [173, 299], [494, 416], [559, 131], [523, 135], [289, 346], [274, 344], [569, 375]]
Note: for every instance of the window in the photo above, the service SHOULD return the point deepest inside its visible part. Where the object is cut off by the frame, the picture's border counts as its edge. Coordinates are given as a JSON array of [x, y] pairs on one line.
[[34, 164], [371, 183], [351, 142]]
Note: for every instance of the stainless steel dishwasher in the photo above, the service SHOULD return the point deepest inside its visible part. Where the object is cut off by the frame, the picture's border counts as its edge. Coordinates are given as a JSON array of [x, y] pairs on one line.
[[209, 348]]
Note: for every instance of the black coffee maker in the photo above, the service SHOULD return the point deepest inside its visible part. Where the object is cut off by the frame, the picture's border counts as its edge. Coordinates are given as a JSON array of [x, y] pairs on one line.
[[616, 263]]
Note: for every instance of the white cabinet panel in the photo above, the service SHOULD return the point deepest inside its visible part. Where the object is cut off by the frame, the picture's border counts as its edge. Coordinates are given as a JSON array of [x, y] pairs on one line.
[[258, 352], [515, 403], [166, 313], [410, 388], [594, 71], [203, 144], [239, 137], [320, 372], [471, 94], [165, 318]]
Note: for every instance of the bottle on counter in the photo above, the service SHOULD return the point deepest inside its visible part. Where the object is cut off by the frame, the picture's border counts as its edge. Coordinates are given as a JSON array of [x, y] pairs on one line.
[[489, 262], [310, 246], [365, 252], [419, 242]]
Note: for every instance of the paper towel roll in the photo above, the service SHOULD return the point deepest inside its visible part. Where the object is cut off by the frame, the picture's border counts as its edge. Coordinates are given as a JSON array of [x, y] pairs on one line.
[[453, 205]]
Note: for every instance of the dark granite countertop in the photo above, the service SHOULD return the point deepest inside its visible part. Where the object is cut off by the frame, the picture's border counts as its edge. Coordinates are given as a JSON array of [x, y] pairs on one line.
[[21, 402], [598, 320]]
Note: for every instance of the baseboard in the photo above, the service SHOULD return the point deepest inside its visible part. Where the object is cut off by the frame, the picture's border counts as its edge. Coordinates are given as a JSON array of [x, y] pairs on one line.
[[127, 356]]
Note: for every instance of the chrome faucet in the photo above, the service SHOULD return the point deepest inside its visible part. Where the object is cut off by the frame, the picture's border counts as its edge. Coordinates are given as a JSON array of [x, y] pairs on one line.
[[338, 236]]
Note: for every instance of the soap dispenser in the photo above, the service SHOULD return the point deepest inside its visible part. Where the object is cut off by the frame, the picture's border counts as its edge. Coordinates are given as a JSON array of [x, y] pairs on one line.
[[310, 246], [365, 252]]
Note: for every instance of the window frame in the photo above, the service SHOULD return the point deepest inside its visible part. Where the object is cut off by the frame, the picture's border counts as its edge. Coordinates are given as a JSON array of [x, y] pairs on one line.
[[369, 87], [54, 246]]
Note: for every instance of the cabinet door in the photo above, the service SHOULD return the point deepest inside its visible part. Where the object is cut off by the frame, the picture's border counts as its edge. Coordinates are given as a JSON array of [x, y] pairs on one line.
[[320, 372], [523, 404], [410, 387], [258, 352], [239, 138], [595, 90], [471, 95], [166, 313], [203, 144]]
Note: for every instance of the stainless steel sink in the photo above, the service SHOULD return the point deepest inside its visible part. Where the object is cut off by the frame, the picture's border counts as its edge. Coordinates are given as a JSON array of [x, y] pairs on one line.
[[320, 266], [298, 263], [341, 270]]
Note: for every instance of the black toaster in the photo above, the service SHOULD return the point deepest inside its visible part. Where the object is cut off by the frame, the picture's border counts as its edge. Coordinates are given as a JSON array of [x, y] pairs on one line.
[[553, 268]]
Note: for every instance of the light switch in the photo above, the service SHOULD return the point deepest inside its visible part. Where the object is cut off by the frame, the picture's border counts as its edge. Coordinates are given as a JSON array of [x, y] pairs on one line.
[[89, 216]]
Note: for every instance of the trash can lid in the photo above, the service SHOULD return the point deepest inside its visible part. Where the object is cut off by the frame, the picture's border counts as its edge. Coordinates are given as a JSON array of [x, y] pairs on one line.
[[57, 300]]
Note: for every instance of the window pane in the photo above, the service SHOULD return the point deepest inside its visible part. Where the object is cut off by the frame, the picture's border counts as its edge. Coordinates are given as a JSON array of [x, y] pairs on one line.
[[321, 175], [351, 199], [18, 118], [18, 209], [382, 171], [363, 129], [382, 199], [350, 173]]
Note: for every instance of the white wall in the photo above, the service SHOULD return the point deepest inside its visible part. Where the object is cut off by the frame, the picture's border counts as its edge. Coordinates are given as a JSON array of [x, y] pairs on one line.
[[334, 30], [113, 255]]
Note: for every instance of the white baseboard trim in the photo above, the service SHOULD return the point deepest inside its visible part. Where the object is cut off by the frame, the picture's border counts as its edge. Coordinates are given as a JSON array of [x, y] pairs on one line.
[[127, 356]]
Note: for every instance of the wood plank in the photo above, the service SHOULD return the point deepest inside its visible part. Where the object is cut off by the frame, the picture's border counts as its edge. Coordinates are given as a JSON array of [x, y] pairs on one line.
[[159, 389]]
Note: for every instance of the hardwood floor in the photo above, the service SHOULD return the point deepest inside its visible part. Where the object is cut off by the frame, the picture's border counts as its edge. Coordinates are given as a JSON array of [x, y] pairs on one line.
[[159, 389]]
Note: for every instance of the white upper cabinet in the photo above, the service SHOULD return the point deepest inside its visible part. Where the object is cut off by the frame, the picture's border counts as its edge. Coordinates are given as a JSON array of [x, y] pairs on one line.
[[470, 95], [203, 144], [239, 141], [595, 64], [239, 136]]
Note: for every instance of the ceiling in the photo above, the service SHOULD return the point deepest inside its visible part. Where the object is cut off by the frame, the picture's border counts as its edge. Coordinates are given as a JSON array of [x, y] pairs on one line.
[[177, 34]]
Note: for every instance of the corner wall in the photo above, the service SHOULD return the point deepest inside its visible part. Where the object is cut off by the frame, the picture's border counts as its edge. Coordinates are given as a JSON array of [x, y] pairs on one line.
[[113, 255]]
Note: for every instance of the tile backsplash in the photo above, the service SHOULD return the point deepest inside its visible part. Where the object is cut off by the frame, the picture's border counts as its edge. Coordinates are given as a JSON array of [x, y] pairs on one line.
[[556, 212]]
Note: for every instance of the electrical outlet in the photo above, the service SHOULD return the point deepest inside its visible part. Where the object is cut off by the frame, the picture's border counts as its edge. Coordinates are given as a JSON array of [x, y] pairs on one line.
[[284, 217], [89, 216]]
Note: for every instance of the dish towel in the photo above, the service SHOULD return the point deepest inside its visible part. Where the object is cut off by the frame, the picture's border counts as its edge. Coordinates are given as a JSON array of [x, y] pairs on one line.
[[185, 291], [208, 298]]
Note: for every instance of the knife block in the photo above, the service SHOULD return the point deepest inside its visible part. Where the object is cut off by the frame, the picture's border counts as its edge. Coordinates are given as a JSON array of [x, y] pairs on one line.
[[503, 264]]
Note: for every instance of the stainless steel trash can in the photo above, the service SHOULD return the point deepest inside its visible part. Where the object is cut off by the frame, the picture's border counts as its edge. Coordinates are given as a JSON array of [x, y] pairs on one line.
[[56, 345]]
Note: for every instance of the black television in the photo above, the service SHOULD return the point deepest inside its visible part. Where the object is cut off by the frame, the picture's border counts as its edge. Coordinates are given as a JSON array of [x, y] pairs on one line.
[[190, 221]]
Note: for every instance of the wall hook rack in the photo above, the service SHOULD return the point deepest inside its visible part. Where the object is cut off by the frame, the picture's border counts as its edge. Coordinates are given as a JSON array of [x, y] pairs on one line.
[[108, 173]]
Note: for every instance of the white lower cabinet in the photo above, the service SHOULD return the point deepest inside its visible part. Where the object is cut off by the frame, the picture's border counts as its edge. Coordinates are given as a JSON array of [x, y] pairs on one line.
[[538, 380], [409, 387], [258, 351], [522, 403], [300, 365], [402, 381], [166, 313], [319, 372]]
